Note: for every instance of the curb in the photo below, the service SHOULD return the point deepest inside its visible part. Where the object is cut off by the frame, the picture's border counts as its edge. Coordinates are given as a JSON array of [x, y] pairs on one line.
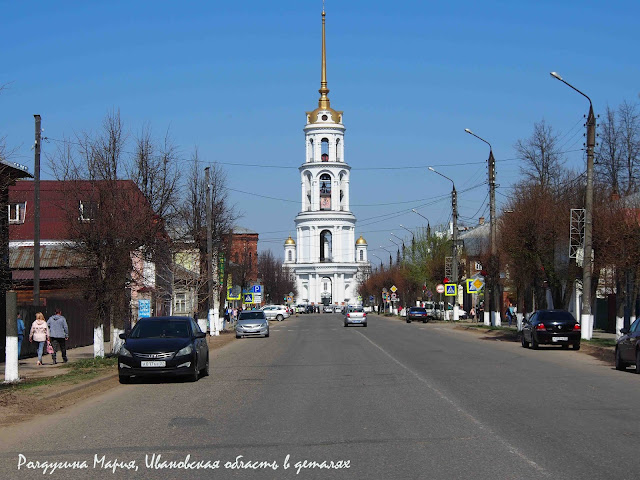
[[76, 388]]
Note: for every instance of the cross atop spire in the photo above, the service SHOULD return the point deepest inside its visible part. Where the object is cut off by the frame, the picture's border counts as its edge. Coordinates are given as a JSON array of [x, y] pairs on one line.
[[324, 99]]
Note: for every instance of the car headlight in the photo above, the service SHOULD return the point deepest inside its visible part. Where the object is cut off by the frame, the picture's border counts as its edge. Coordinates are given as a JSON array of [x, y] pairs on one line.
[[185, 351], [124, 352]]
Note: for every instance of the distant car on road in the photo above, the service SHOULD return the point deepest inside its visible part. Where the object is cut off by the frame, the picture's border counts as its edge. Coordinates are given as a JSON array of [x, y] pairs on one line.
[[327, 309], [355, 316], [417, 313], [554, 327], [252, 323], [628, 347], [275, 312], [301, 308], [163, 346]]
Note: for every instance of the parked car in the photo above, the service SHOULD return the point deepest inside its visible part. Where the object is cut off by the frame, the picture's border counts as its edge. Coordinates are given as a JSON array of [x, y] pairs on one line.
[[275, 312], [301, 308], [161, 346], [327, 309], [430, 307], [417, 313], [355, 316], [252, 323], [628, 347], [555, 327], [337, 309]]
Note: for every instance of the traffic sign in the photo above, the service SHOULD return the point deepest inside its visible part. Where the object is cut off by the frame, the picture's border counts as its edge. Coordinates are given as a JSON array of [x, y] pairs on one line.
[[256, 289], [248, 298], [451, 290], [440, 288], [474, 285], [144, 308], [394, 289], [371, 298], [394, 297], [429, 294]]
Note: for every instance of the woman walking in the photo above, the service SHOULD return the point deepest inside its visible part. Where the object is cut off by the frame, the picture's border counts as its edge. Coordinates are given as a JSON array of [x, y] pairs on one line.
[[39, 333]]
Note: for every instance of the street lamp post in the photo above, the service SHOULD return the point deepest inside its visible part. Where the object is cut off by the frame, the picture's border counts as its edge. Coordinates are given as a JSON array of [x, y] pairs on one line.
[[402, 240], [413, 237], [454, 254], [586, 317], [390, 259], [374, 255], [428, 224], [494, 297]]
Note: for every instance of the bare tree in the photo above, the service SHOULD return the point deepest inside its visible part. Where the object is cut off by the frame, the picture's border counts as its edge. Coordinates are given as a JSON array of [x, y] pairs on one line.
[[541, 156], [278, 281]]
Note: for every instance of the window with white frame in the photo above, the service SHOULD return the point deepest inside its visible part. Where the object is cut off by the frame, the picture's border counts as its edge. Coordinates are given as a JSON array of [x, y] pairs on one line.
[[88, 210], [17, 212], [180, 305]]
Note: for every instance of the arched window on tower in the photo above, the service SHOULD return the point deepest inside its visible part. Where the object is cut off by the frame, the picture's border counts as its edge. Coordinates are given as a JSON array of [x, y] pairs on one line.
[[290, 255], [338, 156], [361, 255], [312, 153], [325, 246], [324, 148], [325, 191]]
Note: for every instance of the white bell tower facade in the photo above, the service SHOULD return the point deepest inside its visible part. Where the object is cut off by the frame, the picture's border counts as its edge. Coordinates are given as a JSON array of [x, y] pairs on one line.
[[327, 261]]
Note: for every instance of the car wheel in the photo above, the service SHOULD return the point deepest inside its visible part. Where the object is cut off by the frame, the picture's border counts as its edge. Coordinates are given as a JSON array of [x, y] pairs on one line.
[[637, 361], [193, 376], [424, 320], [279, 318], [408, 321], [576, 346], [124, 379], [534, 343], [266, 335], [620, 365], [565, 346], [364, 324], [205, 370], [238, 336], [525, 344]]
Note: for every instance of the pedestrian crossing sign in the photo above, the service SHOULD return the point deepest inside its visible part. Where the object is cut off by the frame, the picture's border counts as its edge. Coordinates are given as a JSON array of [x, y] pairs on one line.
[[450, 289]]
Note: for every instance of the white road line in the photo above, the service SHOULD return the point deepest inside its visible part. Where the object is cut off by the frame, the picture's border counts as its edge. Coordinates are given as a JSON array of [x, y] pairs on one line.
[[461, 410]]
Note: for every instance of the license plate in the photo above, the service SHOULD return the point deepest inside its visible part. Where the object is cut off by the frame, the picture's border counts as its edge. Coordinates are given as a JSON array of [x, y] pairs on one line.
[[156, 363], [560, 339]]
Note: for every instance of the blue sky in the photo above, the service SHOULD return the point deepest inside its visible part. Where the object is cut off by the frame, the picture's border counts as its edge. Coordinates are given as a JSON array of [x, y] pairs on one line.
[[235, 80]]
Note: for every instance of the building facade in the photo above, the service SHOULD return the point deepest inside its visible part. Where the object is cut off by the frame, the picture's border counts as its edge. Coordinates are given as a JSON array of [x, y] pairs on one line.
[[325, 258]]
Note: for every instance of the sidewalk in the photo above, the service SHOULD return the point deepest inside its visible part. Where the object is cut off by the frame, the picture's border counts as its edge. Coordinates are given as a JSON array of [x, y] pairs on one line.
[[27, 368]]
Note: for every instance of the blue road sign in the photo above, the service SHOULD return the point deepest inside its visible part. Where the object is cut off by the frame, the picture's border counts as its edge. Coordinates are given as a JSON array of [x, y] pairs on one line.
[[451, 289], [371, 298], [248, 298], [144, 308], [256, 289]]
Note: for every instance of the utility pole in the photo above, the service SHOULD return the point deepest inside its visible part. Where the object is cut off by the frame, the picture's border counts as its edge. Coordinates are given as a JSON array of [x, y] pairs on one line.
[[492, 317], [454, 255], [36, 225], [587, 263], [586, 317], [493, 224], [209, 255]]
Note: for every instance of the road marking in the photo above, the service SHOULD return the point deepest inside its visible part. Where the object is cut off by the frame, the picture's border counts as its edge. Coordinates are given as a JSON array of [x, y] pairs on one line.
[[461, 410]]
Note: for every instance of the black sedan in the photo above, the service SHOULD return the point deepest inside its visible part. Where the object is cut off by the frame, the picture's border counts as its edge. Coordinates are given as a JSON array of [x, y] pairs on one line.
[[417, 313], [628, 347], [554, 327], [164, 346]]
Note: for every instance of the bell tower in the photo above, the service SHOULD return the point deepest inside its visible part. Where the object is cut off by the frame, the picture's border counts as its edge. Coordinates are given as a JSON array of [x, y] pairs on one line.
[[325, 265]]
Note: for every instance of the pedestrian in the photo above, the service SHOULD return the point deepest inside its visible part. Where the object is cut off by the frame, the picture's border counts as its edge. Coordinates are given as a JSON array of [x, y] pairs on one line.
[[59, 332], [20, 332], [39, 333]]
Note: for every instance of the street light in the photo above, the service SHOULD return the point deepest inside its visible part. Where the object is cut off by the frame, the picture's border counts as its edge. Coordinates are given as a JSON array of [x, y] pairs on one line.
[[454, 254], [398, 254], [390, 259], [402, 240], [494, 297], [586, 319], [428, 225], [413, 237], [381, 266]]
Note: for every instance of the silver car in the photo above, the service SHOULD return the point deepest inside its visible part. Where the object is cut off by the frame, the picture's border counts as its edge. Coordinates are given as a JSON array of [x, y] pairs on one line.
[[252, 323]]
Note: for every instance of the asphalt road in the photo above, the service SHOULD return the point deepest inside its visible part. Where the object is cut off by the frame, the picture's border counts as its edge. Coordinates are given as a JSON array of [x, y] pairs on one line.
[[390, 401]]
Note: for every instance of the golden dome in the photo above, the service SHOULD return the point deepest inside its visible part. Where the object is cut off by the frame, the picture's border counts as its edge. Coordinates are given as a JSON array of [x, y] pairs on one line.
[[289, 241], [361, 241]]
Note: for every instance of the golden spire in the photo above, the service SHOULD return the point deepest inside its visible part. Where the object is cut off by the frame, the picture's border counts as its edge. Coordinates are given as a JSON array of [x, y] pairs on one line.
[[324, 99]]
